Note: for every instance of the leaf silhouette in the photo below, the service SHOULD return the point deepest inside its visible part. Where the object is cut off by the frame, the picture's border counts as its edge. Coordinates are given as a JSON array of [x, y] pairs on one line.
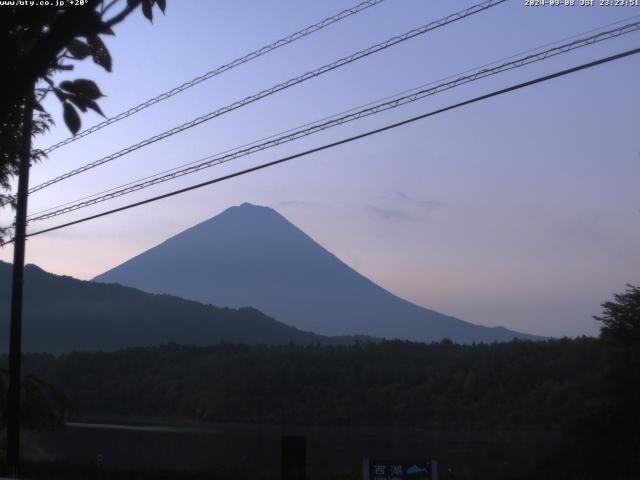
[[78, 49], [71, 117], [82, 86], [99, 53], [147, 6]]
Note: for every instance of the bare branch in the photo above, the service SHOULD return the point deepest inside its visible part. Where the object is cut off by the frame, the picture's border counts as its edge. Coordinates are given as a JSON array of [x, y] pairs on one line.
[[105, 9], [123, 14]]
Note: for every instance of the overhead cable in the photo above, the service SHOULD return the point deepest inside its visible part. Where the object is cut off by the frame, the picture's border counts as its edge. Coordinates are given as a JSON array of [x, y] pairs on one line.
[[219, 70], [218, 159], [341, 142], [277, 88], [352, 109]]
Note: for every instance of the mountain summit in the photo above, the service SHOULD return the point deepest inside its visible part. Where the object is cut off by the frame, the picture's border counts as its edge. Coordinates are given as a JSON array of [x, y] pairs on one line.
[[252, 256]]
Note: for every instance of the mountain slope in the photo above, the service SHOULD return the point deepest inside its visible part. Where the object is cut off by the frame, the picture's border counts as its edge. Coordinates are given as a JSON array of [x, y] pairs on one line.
[[250, 255], [63, 314]]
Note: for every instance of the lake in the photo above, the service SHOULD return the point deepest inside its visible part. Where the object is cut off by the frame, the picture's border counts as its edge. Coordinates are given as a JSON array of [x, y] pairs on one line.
[[176, 446]]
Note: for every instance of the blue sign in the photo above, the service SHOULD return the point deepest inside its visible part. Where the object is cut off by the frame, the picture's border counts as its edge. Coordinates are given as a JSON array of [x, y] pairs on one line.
[[385, 470]]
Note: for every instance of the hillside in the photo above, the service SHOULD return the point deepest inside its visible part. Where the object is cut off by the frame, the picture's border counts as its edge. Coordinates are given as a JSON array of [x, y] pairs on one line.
[[63, 314], [509, 384], [253, 256]]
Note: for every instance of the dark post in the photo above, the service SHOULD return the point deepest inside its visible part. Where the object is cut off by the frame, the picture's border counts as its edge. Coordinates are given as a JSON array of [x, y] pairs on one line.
[[15, 341], [294, 458]]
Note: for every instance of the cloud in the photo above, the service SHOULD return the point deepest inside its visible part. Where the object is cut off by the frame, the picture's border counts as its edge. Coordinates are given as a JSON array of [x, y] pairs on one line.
[[405, 208], [390, 213], [426, 206], [296, 204], [402, 207]]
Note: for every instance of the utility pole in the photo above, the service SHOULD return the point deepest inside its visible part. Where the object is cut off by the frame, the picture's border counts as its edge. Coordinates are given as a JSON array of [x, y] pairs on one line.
[[15, 341]]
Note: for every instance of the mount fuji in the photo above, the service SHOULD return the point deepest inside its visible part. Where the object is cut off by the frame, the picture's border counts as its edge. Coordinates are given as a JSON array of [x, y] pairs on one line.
[[252, 256]]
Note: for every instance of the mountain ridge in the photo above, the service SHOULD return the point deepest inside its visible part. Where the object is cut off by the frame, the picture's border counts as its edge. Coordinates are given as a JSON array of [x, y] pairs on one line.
[[252, 255], [63, 314]]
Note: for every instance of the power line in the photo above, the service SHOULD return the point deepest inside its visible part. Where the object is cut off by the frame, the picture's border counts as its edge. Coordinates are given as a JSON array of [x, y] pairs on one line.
[[433, 82], [219, 70], [344, 141], [352, 109], [218, 159], [282, 86]]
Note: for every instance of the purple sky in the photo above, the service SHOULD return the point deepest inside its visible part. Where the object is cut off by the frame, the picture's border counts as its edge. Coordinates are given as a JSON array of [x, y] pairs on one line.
[[521, 211]]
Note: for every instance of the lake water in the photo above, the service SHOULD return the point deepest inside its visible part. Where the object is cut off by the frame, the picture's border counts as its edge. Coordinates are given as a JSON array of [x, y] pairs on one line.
[[183, 447]]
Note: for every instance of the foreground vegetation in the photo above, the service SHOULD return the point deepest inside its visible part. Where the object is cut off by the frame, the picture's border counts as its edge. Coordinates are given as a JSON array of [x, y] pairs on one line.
[[589, 388], [517, 384], [65, 470]]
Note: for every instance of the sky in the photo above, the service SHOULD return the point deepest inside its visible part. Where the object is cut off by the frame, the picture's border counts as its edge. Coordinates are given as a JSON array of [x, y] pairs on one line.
[[521, 211]]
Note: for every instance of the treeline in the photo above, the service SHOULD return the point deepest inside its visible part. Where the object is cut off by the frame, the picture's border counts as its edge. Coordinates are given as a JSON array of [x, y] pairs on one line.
[[510, 385]]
